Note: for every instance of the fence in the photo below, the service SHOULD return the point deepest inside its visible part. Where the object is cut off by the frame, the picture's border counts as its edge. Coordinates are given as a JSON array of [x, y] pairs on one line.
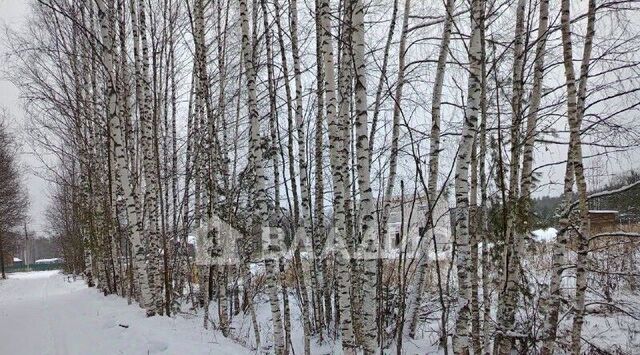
[[33, 267]]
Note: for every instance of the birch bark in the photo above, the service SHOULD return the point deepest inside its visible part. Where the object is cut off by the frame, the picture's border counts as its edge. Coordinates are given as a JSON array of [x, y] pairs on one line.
[[256, 158], [574, 169], [578, 102], [337, 161], [508, 297], [122, 163], [305, 208], [149, 161], [368, 238], [323, 288], [461, 342]]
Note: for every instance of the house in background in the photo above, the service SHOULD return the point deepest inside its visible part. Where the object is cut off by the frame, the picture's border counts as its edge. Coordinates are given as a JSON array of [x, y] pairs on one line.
[[18, 262], [412, 212], [32, 248], [48, 261], [10, 260], [599, 221], [603, 221]]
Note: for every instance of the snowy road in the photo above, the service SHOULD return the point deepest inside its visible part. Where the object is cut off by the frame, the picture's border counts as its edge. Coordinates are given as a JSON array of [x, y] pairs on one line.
[[41, 313]]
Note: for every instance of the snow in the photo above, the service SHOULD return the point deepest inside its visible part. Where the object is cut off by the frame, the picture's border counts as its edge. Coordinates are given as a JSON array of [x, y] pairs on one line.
[[244, 332], [45, 313], [29, 275], [603, 211], [48, 261], [16, 260], [545, 235], [256, 268], [48, 313]]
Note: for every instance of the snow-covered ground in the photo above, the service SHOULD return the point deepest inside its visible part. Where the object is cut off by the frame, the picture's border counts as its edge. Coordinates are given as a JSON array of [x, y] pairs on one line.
[[46, 313], [43, 313]]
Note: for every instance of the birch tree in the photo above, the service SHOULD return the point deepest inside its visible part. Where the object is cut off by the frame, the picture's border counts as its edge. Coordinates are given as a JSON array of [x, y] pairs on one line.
[[135, 225], [574, 173], [368, 238], [14, 201], [256, 159], [511, 270], [575, 106], [461, 342]]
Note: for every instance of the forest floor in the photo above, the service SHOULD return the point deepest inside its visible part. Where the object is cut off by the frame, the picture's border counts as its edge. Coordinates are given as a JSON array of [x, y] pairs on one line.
[[45, 313]]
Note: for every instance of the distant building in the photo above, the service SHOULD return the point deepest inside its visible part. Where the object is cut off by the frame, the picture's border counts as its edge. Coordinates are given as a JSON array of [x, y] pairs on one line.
[[48, 261], [598, 221], [603, 221], [31, 248], [17, 262]]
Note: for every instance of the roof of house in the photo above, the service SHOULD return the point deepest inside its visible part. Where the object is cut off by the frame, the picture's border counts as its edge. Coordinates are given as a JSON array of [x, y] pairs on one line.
[[48, 261]]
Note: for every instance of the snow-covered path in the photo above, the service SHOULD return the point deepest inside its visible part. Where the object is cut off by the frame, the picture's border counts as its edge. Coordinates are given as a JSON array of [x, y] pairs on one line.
[[42, 313]]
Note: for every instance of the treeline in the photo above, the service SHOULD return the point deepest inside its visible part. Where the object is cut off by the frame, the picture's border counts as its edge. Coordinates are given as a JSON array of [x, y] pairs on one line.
[[626, 203], [14, 200]]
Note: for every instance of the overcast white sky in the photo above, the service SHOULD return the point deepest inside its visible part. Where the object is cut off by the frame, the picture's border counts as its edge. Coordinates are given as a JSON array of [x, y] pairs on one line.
[[12, 15]]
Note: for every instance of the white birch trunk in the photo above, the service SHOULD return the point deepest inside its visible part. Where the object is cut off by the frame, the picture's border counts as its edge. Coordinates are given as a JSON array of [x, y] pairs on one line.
[[508, 297], [368, 237], [337, 160], [575, 112], [461, 344], [122, 165], [256, 158], [305, 189], [149, 160]]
